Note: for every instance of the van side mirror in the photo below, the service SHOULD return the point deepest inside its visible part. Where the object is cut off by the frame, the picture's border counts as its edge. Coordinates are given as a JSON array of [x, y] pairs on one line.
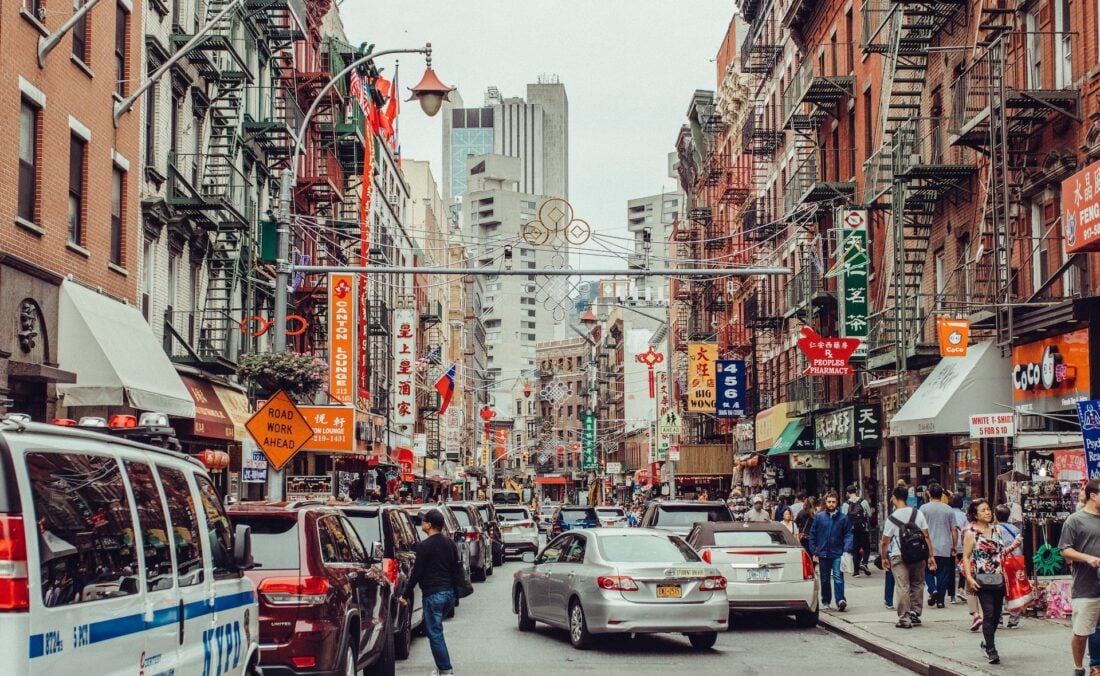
[[242, 547], [528, 557], [377, 551]]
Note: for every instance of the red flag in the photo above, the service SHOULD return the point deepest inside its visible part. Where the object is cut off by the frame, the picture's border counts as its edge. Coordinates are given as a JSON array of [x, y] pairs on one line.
[[445, 386], [389, 119]]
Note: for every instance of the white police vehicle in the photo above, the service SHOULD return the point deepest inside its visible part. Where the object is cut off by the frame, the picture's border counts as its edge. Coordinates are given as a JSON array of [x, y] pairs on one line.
[[116, 556]]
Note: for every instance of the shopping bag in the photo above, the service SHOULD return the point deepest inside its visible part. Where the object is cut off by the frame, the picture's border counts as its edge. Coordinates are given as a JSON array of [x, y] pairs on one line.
[[1018, 591], [847, 565]]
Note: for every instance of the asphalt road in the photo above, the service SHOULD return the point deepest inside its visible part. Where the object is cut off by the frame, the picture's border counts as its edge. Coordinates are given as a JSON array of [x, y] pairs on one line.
[[483, 639]]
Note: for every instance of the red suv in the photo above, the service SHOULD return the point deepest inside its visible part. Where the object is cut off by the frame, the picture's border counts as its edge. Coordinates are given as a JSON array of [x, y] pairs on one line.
[[323, 605]]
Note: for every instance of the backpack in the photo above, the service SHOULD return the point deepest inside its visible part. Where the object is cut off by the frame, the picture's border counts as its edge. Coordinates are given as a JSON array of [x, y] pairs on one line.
[[857, 516], [911, 540]]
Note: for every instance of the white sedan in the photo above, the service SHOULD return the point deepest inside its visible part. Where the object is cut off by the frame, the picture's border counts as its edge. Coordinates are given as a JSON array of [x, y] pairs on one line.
[[611, 517], [518, 528]]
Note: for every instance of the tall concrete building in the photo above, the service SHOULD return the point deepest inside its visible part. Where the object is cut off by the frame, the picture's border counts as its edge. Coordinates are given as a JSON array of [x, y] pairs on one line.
[[651, 219]]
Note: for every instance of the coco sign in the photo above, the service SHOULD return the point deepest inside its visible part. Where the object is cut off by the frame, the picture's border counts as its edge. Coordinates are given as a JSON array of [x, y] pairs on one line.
[[1051, 374]]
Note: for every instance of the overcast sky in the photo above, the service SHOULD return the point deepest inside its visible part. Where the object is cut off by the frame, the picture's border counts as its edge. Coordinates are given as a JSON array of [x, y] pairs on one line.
[[629, 68]]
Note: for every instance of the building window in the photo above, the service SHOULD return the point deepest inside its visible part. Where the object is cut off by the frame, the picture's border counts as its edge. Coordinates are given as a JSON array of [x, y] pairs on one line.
[[118, 191], [77, 152], [36, 9], [149, 267], [122, 25], [28, 161], [80, 35]]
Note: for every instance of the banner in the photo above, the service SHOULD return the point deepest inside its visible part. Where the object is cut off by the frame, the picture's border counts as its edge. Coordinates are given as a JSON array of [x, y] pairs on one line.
[[989, 425], [341, 337], [1088, 412], [730, 396], [954, 336], [701, 376], [589, 442], [854, 263], [404, 367], [1081, 210]]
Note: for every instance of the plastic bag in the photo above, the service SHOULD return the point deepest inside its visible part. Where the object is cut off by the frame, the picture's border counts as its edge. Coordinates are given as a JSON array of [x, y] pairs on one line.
[[847, 565], [1018, 591]]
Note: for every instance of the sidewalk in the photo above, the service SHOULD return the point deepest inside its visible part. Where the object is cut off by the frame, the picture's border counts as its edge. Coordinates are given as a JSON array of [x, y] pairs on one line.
[[944, 643]]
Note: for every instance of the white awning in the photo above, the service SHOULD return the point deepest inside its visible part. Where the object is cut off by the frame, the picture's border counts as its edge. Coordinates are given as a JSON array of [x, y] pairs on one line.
[[117, 359], [956, 389]]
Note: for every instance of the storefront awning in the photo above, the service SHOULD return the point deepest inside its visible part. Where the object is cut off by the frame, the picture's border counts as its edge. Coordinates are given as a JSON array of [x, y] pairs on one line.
[[956, 389], [795, 431], [236, 405], [551, 480], [117, 359], [211, 419]]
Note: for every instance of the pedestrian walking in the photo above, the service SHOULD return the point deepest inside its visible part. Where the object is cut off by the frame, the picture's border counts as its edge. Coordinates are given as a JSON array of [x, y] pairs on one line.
[[757, 513], [1080, 546], [906, 550], [944, 533], [803, 520], [787, 521], [1014, 546], [858, 511], [796, 506], [435, 571], [983, 562], [956, 584], [830, 538]]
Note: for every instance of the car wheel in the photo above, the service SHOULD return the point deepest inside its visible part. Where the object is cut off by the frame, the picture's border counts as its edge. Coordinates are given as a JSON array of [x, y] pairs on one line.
[[525, 622], [387, 661], [348, 668], [402, 643], [578, 627], [478, 574], [498, 559], [807, 618], [703, 641], [489, 564]]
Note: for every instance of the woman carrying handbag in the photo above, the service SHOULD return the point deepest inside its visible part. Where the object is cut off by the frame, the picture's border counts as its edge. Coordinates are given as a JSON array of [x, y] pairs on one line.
[[983, 563]]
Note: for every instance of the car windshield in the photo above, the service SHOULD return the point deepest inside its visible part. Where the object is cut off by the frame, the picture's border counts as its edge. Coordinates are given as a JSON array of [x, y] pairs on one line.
[[577, 514], [513, 514], [463, 518], [274, 541], [367, 525], [647, 548], [546, 511], [609, 511], [671, 516], [484, 512], [749, 538]]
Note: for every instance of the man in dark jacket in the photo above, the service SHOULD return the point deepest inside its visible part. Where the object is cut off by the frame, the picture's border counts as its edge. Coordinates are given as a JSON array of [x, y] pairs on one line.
[[436, 562], [830, 537]]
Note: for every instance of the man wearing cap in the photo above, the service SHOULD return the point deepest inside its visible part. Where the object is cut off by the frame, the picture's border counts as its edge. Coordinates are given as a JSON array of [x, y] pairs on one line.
[[830, 537], [436, 564], [757, 513]]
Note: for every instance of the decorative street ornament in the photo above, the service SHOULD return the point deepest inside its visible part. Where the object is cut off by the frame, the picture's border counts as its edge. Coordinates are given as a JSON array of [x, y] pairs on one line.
[[555, 392], [827, 356], [557, 228], [954, 336], [650, 358]]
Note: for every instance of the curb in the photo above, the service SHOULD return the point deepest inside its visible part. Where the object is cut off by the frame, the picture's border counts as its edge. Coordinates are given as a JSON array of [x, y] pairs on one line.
[[887, 650]]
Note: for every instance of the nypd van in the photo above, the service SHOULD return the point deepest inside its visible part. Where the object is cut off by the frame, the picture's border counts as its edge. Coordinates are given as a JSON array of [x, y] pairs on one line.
[[116, 556]]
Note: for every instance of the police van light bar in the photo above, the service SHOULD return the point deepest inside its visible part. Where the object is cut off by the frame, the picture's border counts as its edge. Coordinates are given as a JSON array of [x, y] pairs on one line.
[[153, 420], [123, 421], [18, 417], [64, 422], [92, 421]]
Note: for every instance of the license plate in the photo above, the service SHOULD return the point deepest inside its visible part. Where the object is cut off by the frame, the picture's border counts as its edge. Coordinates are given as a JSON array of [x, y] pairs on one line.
[[759, 575], [505, 529], [668, 591]]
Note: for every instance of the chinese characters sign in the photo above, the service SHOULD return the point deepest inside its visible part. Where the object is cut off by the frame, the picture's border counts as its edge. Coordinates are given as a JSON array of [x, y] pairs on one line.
[[857, 426], [730, 398], [1081, 210], [333, 428], [668, 420], [854, 262], [341, 337], [701, 376], [827, 356], [589, 442], [404, 367]]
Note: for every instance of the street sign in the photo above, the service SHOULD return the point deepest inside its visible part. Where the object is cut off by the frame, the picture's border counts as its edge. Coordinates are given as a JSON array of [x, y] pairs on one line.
[[827, 356], [333, 428], [280, 429], [614, 468], [730, 395], [670, 424], [253, 463], [589, 441]]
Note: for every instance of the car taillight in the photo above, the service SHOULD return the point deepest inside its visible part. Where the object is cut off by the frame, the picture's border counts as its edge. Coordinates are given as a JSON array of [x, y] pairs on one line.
[[473, 535], [14, 589], [706, 555], [304, 662], [390, 570], [617, 583], [713, 583], [807, 566], [289, 591]]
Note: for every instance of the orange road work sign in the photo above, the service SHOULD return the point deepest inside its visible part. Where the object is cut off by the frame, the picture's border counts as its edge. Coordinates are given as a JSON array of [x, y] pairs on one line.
[[280, 429]]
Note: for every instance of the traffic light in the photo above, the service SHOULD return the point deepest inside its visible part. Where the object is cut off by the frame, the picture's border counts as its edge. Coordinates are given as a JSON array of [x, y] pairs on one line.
[[524, 456]]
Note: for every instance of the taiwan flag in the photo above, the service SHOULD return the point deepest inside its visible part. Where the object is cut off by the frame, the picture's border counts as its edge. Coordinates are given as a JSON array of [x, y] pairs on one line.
[[445, 386]]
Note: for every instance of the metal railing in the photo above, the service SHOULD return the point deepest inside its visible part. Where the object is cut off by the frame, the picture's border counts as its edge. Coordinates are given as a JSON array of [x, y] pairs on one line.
[[821, 165], [803, 287], [806, 394], [830, 67]]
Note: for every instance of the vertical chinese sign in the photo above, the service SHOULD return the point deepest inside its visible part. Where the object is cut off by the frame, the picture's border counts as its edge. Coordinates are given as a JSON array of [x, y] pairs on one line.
[[701, 379], [404, 367], [668, 422], [730, 397], [360, 92], [588, 442], [341, 337], [854, 263]]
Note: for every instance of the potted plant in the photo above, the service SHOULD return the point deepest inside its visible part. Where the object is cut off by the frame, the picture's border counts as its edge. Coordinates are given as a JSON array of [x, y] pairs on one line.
[[298, 374]]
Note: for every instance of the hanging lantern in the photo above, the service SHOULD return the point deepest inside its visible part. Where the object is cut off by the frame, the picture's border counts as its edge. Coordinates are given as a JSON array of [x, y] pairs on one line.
[[215, 461]]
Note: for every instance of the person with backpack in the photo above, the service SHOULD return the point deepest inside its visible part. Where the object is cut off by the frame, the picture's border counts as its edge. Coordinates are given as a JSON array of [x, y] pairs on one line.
[[858, 512], [830, 538], [906, 550], [944, 533]]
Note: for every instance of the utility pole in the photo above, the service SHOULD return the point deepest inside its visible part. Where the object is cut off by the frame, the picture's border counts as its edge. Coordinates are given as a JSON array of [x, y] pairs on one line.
[[275, 480]]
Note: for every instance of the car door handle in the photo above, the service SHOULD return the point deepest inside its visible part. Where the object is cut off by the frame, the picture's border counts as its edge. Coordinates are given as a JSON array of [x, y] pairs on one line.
[[182, 620]]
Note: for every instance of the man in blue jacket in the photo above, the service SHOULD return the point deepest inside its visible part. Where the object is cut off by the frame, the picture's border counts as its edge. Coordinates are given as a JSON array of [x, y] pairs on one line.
[[830, 537]]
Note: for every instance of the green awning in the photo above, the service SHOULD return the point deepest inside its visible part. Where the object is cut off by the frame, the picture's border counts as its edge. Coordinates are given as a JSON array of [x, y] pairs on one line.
[[790, 436]]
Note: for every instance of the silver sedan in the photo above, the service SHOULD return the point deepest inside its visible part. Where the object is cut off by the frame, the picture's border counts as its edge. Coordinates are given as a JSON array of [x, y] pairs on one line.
[[619, 580]]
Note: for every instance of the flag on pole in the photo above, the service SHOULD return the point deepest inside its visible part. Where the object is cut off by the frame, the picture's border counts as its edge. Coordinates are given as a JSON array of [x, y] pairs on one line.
[[445, 386]]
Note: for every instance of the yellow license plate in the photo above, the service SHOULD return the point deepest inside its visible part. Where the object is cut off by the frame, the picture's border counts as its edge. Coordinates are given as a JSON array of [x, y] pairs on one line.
[[668, 591]]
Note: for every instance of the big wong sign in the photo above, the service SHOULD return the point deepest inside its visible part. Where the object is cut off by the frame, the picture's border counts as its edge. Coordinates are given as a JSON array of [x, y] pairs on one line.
[[1051, 374], [1081, 210], [701, 376]]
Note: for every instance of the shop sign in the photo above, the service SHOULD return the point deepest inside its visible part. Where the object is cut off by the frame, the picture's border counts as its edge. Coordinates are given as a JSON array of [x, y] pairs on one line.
[[341, 336], [614, 468], [730, 397], [827, 356], [1051, 374], [664, 410], [853, 261], [420, 445], [405, 462], [211, 419], [333, 428], [253, 463], [1088, 412], [809, 460], [1081, 210], [1070, 465], [857, 426], [769, 424], [308, 487], [743, 438], [404, 367], [954, 336], [588, 441], [701, 376], [990, 425]]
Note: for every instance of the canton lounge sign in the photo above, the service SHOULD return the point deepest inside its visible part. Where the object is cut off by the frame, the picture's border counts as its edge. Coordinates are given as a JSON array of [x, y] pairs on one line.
[[858, 426]]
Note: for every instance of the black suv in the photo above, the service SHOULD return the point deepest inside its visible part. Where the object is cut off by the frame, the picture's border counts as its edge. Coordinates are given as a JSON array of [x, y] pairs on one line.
[[488, 513], [390, 536], [678, 516], [477, 539]]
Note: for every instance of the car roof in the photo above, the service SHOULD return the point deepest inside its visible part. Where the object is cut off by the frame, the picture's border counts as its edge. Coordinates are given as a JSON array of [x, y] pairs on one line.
[[737, 526], [690, 503], [14, 429], [618, 532], [267, 508]]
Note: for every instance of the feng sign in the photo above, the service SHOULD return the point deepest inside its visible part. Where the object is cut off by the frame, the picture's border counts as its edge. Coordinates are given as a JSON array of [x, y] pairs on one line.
[[341, 337], [404, 367], [730, 395], [854, 261], [701, 376]]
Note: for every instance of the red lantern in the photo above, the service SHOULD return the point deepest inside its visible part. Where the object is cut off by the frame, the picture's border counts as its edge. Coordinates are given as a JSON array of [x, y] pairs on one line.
[[215, 461]]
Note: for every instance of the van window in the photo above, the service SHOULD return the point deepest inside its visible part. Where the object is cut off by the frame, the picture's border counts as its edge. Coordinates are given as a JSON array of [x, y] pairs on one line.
[[219, 532], [85, 528], [186, 536], [154, 526], [368, 525]]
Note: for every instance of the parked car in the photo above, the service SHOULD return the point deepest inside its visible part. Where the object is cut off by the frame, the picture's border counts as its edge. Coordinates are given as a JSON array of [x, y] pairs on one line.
[[390, 536], [546, 516], [678, 516], [489, 517], [477, 539], [621, 580], [568, 517], [99, 529], [324, 606], [519, 530], [766, 568], [611, 517]]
